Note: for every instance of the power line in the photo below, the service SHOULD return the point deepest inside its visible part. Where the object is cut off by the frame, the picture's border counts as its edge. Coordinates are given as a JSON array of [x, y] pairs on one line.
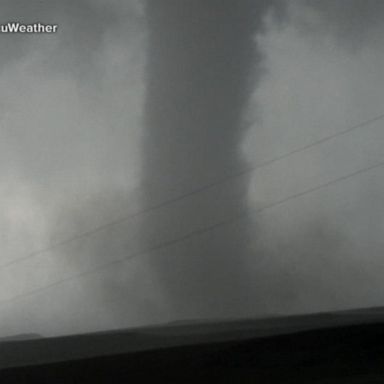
[[190, 193], [194, 233]]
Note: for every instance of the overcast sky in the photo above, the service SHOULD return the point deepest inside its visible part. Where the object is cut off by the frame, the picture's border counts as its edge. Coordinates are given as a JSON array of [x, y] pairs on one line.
[[71, 159]]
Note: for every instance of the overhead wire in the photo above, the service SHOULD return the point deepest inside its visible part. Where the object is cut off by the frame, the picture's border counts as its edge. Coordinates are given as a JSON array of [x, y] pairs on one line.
[[195, 233], [188, 194]]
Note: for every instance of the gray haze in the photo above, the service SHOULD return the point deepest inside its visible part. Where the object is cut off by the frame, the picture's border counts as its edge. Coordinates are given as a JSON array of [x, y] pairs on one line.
[[172, 95]]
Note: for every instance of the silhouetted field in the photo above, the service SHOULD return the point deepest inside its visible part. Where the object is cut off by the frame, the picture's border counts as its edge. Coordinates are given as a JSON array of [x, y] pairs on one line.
[[345, 347]]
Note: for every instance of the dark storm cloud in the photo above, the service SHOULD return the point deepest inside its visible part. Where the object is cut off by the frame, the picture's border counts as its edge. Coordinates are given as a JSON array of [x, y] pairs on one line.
[[77, 17], [355, 23], [82, 26]]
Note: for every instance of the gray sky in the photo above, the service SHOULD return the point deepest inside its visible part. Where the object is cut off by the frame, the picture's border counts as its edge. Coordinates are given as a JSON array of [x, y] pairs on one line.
[[71, 155]]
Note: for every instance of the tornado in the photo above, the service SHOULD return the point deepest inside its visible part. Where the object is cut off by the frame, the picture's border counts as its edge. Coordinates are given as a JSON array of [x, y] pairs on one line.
[[202, 65]]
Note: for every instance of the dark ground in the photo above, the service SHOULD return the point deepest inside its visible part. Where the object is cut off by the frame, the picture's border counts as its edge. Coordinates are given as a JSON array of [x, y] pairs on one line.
[[345, 347]]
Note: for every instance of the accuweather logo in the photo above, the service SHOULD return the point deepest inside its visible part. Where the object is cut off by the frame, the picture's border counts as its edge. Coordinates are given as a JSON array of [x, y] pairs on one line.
[[14, 27]]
